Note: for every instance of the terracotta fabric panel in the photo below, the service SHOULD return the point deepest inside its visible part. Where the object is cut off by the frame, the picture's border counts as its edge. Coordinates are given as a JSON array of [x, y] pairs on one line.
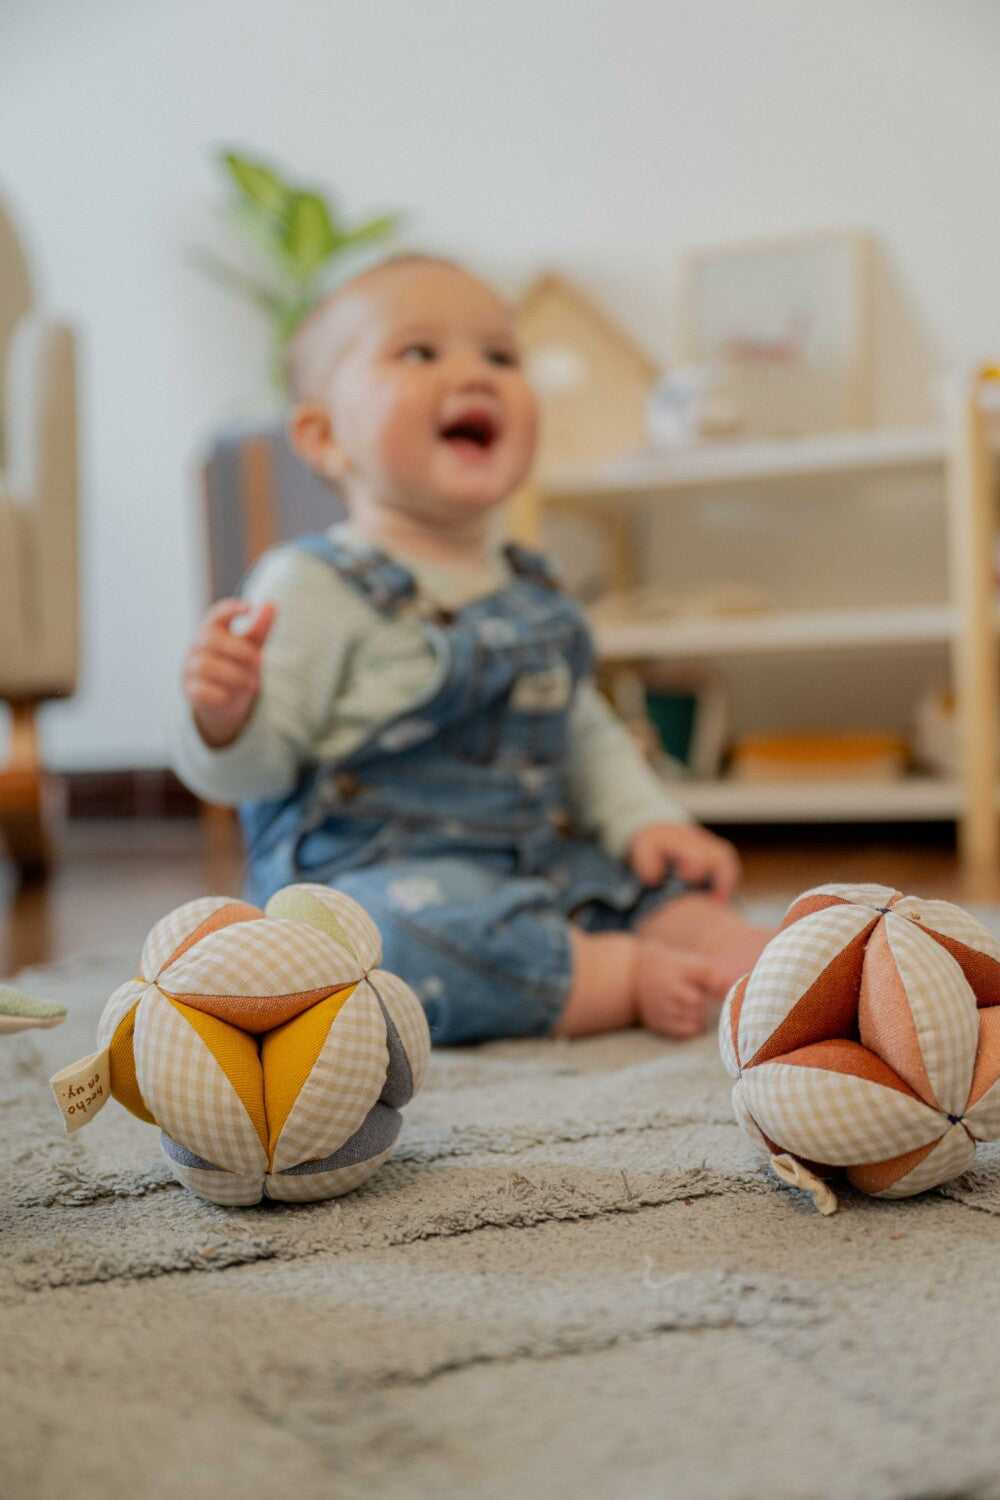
[[236, 911], [792, 962], [953, 1154], [849, 1057], [827, 1009], [876, 1176], [806, 905], [733, 1007], [987, 1069], [256, 1013], [980, 969]]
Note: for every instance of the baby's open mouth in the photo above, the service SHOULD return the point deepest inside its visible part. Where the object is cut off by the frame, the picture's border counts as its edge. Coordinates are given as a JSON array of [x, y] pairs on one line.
[[479, 430]]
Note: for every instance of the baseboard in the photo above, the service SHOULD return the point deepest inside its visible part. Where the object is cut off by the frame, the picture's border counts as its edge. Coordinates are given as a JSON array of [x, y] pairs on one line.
[[146, 793]]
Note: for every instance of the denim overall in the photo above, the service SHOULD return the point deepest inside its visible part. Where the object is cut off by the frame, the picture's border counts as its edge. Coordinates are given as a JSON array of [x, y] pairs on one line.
[[446, 823]]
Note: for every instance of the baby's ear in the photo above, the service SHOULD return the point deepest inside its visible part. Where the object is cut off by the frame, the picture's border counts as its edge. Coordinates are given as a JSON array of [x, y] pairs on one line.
[[311, 434]]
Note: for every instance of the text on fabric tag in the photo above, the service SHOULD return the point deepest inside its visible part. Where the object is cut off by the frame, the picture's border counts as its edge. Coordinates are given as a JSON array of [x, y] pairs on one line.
[[83, 1088]]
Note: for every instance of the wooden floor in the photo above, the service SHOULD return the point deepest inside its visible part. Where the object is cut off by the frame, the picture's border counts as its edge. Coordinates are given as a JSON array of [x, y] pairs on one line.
[[114, 879]]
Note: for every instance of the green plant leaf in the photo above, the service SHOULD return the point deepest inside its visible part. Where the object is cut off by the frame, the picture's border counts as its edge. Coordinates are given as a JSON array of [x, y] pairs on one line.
[[309, 237], [373, 229], [264, 237], [248, 286], [260, 183]]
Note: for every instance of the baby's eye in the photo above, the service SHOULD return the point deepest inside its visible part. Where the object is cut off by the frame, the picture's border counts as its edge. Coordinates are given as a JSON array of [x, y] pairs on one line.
[[504, 357], [418, 354]]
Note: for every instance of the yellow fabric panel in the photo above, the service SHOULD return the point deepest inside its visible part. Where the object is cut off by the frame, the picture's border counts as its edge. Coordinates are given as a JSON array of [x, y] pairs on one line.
[[124, 1084], [237, 1056], [289, 1054]]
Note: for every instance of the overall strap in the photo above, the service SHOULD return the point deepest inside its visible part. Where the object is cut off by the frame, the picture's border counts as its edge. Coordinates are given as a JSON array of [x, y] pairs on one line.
[[386, 584], [534, 566]]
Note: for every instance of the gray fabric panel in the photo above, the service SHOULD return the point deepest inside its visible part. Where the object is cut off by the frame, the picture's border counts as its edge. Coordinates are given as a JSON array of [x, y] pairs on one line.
[[398, 1088], [380, 1128], [184, 1157]]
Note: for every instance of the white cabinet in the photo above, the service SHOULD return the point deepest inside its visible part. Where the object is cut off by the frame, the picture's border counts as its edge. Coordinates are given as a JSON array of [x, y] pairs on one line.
[[912, 595]]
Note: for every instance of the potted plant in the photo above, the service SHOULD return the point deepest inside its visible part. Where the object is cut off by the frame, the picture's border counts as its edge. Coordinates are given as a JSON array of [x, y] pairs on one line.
[[294, 240]]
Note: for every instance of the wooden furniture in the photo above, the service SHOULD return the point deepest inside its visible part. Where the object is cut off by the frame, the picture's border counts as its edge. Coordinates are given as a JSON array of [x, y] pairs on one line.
[[947, 616], [257, 492], [38, 544]]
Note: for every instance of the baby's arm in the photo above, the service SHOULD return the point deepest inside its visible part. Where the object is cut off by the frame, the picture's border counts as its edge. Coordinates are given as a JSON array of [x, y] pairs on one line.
[[612, 791], [221, 675], [247, 716]]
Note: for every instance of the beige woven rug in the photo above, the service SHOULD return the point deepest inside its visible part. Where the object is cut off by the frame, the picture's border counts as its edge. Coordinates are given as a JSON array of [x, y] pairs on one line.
[[572, 1279]]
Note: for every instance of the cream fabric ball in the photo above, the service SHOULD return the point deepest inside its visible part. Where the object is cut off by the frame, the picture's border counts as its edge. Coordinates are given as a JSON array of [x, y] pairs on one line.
[[867, 1038], [269, 1046]]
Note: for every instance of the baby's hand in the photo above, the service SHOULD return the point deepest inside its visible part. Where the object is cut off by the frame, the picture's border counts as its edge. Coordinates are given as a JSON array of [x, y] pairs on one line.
[[222, 670], [695, 854]]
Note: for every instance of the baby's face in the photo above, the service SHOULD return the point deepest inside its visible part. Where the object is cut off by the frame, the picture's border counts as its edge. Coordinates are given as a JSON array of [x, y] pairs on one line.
[[429, 406]]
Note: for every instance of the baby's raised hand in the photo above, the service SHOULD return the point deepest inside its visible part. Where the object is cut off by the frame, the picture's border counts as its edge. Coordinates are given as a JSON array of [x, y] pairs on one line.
[[695, 854], [222, 670]]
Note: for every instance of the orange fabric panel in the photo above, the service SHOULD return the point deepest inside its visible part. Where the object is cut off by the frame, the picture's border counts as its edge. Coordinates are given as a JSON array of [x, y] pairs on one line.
[[876, 1176], [124, 1083], [840, 1056], [886, 1019], [236, 911], [827, 1009]]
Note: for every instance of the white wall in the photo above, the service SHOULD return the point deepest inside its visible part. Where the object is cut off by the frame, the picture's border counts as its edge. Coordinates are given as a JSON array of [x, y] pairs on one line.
[[601, 137]]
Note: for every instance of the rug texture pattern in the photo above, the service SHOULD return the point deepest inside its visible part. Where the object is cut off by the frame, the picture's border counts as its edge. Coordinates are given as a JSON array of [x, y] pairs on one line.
[[573, 1277]]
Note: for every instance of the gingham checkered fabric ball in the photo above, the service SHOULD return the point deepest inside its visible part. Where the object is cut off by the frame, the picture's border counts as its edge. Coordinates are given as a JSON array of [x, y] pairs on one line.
[[268, 1046], [867, 1038]]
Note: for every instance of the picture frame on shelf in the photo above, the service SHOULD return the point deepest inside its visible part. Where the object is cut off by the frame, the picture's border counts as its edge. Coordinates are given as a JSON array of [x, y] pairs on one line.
[[787, 324], [678, 716]]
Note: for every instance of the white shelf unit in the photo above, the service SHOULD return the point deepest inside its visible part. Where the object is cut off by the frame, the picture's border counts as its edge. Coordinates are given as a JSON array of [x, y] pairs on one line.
[[964, 623]]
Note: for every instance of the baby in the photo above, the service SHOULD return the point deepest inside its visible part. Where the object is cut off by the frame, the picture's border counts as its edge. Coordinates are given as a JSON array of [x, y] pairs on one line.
[[404, 708]]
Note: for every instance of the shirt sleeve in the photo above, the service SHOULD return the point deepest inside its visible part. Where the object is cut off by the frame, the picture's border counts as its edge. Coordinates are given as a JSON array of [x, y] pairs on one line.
[[609, 788], [304, 659]]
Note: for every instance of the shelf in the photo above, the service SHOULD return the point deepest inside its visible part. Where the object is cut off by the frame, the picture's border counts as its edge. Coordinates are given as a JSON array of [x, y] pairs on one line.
[[746, 460], [777, 630], [911, 798]]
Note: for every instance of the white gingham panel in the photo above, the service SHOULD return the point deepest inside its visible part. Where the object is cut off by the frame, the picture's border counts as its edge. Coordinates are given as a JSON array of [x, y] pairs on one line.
[[410, 1021], [953, 1154], [983, 1119], [187, 1092], [789, 965], [361, 931], [229, 1189], [726, 1049], [269, 957], [316, 1185], [746, 1120], [837, 1118], [943, 1007], [345, 1081], [175, 928], [870, 896], [117, 1008], [951, 921]]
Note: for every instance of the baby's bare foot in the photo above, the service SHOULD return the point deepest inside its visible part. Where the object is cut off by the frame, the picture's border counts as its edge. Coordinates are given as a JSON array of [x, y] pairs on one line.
[[677, 993]]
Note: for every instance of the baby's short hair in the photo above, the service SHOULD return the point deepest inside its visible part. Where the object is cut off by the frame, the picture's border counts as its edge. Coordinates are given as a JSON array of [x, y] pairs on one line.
[[309, 360]]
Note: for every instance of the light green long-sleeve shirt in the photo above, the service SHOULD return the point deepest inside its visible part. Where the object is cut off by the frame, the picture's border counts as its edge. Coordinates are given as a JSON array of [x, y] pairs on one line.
[[335, 669]]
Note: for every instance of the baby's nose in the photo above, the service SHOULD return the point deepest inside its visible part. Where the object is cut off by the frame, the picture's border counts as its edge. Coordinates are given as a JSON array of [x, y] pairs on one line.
[[476, 373]]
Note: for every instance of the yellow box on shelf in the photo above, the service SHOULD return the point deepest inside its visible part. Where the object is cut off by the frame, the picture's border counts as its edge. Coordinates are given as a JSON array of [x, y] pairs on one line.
[[819, 756]]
